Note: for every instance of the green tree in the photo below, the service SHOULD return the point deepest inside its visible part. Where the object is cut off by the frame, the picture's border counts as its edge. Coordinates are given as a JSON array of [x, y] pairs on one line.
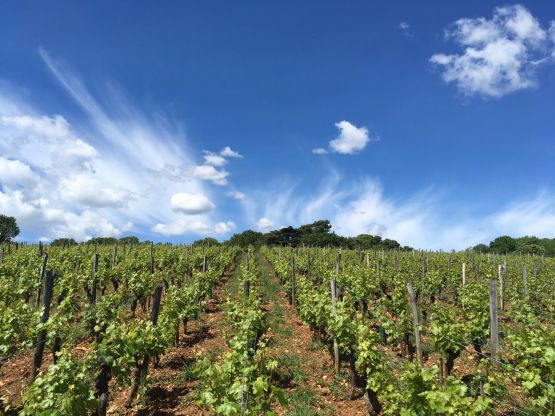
[[287, 236], [247, 238], [8, 228], [63, 242], [531, 249], [208, 241], [481, 248], [317, 227], [366, 241], [503, 244], [103, 240], [390, 244], [129, 240]]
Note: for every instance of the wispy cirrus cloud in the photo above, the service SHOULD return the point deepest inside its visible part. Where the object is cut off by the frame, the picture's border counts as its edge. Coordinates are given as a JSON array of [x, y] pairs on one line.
[[101, 175], [420, 220], [500, 55]]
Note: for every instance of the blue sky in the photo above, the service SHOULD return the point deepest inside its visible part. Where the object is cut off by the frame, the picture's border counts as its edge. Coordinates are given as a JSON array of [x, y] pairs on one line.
[[434, 121]]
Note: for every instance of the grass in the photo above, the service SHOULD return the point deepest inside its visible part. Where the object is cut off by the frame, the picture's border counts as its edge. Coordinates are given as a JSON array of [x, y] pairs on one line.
[[291, 363], [187, 372], [301, 402]]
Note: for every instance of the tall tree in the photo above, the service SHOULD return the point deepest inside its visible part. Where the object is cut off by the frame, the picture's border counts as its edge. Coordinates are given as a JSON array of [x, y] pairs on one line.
[[8, 228]]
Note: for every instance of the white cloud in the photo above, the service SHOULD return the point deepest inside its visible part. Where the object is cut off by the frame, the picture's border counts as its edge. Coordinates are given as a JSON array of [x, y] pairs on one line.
[[500, 55], [191, 204], [210, 173], [224, 227], [115, 169], [227, 152], [424, 219], [405, 28], [213, 159], [264, 224], [182, 227], [236, 194], [38, 214], [535, 216], [85, 189], [15, 172], [44, 142], [351, 139]]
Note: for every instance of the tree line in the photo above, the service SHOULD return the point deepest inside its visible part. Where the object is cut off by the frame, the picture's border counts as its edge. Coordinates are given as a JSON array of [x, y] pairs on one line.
[[525, 245], [316, 234]]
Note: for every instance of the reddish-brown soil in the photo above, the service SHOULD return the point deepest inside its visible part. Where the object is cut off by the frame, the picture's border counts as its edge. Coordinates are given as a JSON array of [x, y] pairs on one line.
[[171, 385], [306, 367], [311, 385]]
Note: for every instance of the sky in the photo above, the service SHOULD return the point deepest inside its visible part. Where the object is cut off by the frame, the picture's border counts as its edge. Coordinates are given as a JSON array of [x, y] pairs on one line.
[[429, 122]]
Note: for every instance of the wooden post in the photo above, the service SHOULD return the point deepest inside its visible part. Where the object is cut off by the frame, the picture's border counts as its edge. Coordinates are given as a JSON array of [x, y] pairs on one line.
[[204, 264], [464, 274], [493, 325], [501, 275], [94, 272], [525, 280], [309, 271], [151, 257], [115, 256], [412, 301], [157, 301], [396, 261], [41, 339], [247, 288], [336, 358], [41, 278]]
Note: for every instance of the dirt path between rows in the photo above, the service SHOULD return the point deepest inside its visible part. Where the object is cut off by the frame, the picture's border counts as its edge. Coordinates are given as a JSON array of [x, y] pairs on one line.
[[172, 385], [305, 366]]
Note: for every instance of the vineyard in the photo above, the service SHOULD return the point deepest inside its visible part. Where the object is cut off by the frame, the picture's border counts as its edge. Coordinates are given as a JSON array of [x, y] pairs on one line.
[[162, 329]]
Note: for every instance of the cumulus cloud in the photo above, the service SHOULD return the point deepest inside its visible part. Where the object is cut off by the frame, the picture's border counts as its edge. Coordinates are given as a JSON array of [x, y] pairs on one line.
[[183, 227], [85, 189], [15, 172], [228, 152], [351, 140], [236, 194], [114, 170], [191, 204], [213, 159], [39, 214], [210, 173], [224, 227], [264, 224], [500, 55]]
